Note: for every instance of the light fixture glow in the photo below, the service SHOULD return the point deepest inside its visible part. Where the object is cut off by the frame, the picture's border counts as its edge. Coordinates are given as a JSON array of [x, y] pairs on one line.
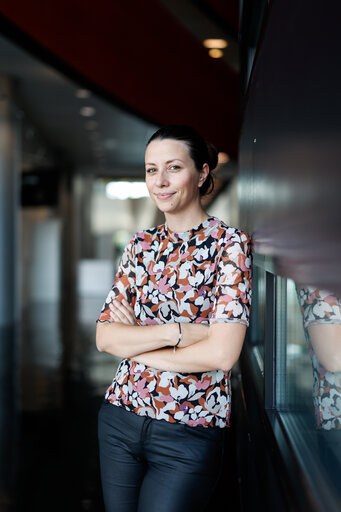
[[215, 53], [126, 190], [223, 158], [215, 43], [87, 111]]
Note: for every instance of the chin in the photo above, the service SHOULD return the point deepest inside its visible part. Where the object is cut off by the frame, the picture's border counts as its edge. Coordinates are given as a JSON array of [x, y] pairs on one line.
[[166, 208]]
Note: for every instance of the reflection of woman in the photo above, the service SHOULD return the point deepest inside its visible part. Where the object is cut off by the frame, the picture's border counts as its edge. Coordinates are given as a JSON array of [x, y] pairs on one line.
[[177, 313], [322, 322]]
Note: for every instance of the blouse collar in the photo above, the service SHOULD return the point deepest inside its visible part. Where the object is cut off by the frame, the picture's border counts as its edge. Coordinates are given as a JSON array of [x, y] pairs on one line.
[[186, 235]]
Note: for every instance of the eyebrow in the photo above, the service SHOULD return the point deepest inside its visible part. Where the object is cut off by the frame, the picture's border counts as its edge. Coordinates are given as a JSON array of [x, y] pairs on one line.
[[168, 161]]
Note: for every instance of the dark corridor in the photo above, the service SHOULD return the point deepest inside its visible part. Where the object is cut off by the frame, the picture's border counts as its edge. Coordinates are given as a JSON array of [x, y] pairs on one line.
[[49, 413]]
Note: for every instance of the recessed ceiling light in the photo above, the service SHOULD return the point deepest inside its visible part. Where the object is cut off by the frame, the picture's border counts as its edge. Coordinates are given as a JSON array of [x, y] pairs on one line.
[[215, 53], [82, 93], [223, 158], [87, 111], [215, 43]]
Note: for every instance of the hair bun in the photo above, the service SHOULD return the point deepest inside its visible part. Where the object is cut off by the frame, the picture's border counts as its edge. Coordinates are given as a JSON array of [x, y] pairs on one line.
[[212, 155]]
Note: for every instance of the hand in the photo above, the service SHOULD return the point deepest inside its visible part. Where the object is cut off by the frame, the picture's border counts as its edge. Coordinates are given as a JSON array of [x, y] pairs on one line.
[[122, 312]]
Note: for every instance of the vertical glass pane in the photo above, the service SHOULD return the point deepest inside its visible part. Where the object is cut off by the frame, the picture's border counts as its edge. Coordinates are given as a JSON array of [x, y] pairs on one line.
[[257, 324], [299, 369], [308, 378]]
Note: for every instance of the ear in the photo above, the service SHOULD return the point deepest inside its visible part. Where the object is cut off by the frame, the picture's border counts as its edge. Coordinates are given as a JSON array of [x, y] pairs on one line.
[[203, 174]]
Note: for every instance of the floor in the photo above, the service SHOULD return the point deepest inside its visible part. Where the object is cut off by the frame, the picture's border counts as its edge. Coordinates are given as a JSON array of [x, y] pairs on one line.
[[52, 381]]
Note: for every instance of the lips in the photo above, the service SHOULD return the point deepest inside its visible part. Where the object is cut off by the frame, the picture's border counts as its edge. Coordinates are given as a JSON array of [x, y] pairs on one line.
[[164, 196]]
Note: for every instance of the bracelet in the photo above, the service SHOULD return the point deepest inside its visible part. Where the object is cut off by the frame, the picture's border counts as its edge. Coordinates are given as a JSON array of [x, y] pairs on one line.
[[179, 338]]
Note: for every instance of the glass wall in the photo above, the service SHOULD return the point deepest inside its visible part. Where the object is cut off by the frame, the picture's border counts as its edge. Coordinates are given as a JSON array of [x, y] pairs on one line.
[[301, 328]]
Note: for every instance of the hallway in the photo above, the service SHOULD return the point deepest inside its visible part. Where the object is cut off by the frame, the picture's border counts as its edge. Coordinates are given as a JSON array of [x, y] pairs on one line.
[[49, 410], [58, 384]]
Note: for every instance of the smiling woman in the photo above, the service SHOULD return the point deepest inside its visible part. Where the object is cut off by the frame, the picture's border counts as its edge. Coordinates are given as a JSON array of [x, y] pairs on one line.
[[177, 314]]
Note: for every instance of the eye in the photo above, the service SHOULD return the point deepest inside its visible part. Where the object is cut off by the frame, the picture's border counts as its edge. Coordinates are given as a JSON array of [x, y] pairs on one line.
[[150, 170], [174, 167]]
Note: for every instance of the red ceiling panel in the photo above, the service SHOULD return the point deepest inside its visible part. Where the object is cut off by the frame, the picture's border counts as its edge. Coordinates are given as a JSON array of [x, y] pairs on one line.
[[138, 54]]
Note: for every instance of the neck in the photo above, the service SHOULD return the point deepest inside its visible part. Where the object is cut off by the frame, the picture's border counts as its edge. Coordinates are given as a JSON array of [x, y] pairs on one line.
[[184, 222]]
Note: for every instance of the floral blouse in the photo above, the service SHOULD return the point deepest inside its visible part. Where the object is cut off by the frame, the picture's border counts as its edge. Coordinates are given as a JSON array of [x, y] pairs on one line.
[[322, 307], [202, 275]]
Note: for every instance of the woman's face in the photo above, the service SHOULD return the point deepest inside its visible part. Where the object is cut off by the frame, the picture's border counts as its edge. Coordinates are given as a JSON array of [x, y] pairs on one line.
[[172, 180]]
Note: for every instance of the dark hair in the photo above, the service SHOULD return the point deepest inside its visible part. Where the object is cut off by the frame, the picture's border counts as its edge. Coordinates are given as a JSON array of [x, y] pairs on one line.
[[200, 151]]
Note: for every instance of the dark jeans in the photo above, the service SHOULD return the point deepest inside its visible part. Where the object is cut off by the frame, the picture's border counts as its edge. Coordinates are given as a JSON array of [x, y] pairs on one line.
[[150, 465]]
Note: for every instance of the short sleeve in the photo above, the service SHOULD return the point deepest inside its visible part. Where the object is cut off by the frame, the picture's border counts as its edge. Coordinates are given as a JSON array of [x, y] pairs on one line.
[[319, 306], [124, 284], [233, 287]]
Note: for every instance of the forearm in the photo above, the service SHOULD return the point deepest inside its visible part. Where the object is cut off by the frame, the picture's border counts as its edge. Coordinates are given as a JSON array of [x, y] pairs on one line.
[[326, 342], [123, 340], [219, 350], [195, 358]]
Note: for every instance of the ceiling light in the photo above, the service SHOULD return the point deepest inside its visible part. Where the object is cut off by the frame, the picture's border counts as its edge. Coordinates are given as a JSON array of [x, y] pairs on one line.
[[215, 43], [215, 53], [82, 93], [126, 190], [91, 125], [87, 111], [223, 158]]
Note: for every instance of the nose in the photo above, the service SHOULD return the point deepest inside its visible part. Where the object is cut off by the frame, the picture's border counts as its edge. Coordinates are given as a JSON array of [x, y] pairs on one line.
[[162, 178]]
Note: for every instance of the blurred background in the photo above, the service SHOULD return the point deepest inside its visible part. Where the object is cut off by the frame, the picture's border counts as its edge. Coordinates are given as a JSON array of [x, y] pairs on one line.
[[82, 88]]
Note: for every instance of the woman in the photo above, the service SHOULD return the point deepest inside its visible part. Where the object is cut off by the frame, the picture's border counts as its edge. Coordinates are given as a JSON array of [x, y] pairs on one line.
[[177, 314]]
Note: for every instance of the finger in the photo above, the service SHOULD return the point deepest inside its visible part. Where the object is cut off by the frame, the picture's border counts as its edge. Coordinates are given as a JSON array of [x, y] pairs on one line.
[[121, 309], [128, 306], [119, 314], [122, 315], [115, 314], [131, 310], [115, 309], [119, 318]]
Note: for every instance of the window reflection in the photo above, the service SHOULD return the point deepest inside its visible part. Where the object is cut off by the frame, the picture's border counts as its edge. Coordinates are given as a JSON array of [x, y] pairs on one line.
[[321, 311], [321, 314], [303, 350]]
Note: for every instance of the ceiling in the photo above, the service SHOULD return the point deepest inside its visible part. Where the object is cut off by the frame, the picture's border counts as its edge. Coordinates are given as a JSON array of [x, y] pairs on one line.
[[144, 64]]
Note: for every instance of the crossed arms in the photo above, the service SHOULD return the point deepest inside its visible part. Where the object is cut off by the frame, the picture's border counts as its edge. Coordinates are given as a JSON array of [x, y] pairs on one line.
[[203, 348]]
